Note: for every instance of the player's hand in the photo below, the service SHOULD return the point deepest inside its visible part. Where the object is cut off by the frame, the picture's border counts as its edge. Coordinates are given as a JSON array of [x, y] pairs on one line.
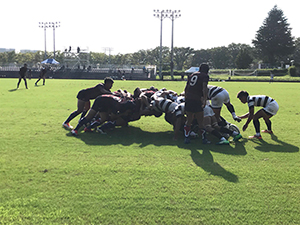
[[245, 127], [238, 119]]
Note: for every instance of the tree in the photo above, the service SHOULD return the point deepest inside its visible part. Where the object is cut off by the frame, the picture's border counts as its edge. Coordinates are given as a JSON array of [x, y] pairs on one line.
[[296, 55], [154, 57], [200, 56], [98, 58], [220, 58], [243, 59], [181, 55], [273, 40], [234, 50]]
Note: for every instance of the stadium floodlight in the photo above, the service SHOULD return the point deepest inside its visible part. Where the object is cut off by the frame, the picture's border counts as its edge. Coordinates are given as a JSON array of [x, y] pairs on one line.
[[160, 15], [172, 14], [54, 25], [44, 25]]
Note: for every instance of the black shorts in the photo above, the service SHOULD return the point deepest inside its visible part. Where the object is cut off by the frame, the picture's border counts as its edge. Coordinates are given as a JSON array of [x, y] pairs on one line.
[[82, 96], [193, 106]]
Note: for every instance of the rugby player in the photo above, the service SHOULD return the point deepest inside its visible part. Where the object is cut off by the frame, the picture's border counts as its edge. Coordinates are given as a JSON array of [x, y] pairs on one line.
[[84, 96], [211, 125], [42, 75], [105, 104], [218, 97], [270, 108], [195, 100]]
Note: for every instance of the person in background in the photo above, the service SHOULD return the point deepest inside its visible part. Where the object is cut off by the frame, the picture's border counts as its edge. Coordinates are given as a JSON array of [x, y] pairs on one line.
[[22, 75], [42, 75]]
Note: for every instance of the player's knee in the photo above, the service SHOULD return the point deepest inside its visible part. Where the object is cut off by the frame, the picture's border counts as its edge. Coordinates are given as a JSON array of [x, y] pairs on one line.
[[208, 128]]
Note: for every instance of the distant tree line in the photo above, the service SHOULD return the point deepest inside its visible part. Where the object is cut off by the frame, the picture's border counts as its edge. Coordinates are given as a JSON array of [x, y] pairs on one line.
[[273, 45]]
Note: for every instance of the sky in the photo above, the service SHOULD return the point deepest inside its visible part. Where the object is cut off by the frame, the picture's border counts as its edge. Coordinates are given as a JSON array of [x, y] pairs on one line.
[[129, 26]]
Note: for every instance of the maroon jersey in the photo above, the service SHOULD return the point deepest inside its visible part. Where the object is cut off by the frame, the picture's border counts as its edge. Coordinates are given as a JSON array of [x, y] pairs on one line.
[[92, 93], [194, 86]]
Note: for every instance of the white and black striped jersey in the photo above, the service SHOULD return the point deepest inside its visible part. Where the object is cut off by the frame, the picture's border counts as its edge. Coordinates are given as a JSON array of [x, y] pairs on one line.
[[259, 100], [157, 95], [213, 91], [164, 105], [180, 109], [180, 99]]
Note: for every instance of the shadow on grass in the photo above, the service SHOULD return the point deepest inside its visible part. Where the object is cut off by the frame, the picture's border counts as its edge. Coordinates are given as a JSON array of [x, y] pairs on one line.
[[11, 90], [206, 162], [127, 136], [135, 135], [280, 147], [235, 148]]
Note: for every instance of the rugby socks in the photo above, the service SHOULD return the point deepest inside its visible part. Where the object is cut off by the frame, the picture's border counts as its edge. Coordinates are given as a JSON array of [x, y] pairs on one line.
[[187, 130], [82, 122], [269, 123], [83, 113], [72, 116], [257, 127], [203, 134]]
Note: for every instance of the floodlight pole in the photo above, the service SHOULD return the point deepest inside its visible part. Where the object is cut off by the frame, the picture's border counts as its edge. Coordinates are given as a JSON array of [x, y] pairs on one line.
[[174, 14], [45, 26], [161, 15], [54, 25]]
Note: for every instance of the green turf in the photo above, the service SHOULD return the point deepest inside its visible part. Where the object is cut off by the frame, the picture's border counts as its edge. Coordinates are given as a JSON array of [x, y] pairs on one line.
[[139, 175]]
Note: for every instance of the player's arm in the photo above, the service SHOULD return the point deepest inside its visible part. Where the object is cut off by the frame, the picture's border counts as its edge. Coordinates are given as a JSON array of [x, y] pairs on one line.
[[232, 111], [244, 116], [205, 91], [250, 117], [104, 91]]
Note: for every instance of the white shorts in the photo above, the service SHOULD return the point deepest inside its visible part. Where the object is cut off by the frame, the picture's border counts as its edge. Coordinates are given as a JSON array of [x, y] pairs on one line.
[[219, 99], [272, 108], [207, 111]]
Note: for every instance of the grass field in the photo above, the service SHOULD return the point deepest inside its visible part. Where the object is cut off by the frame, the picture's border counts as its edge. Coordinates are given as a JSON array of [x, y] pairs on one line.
[[138, 174]]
